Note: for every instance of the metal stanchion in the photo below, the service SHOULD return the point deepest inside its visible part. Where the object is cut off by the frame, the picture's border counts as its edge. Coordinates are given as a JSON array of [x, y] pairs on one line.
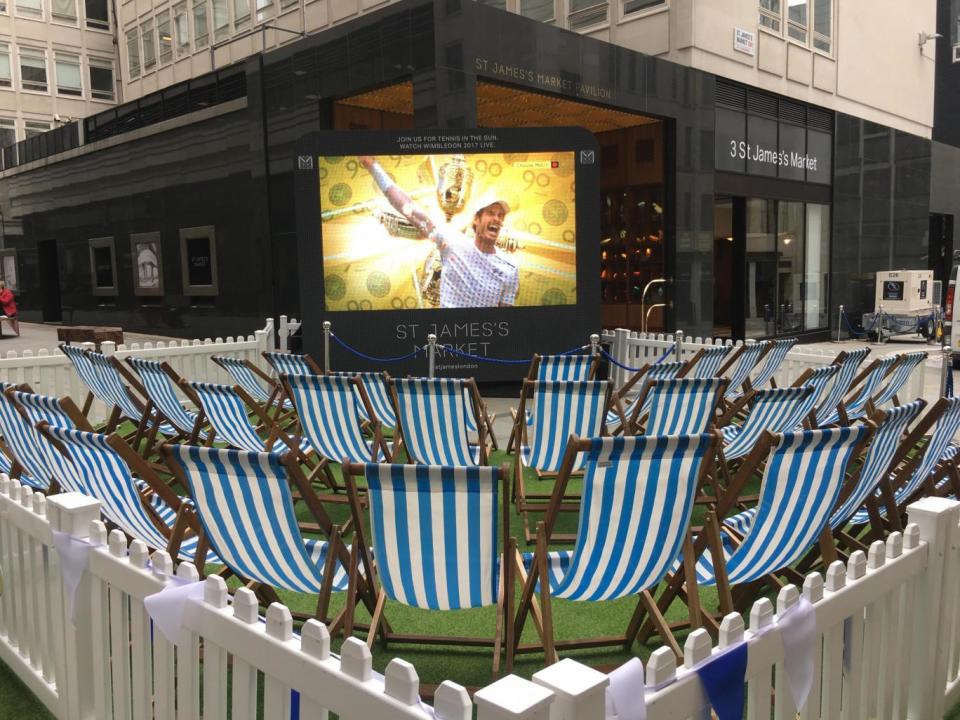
[[878, 323], [678, 349], [594, 344], [326, 345], [839, 322], [946, 357], [431, 354]]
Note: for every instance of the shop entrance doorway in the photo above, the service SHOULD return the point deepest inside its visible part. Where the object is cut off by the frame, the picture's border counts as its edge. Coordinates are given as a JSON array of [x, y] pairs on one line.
[[49, 266]]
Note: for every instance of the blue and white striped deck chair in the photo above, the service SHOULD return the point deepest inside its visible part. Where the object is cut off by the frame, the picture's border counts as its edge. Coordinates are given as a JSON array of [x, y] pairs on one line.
[[87, 374], [30, 452], [738, 375], [55, 411], [897, 377], [328, 415], [774, 410], [802, 479], [243, 374], [227, 413], [818, 379], [102, 473], [234, 492], [291, 363], [857, 407], [114, 387], [772, 362], [653, 373], [436, 540], [378, 394], [711, 358], [683, 406], [163, 394], [849, 364], [892, 503], [563, 367], [432, 418], [638, 496]]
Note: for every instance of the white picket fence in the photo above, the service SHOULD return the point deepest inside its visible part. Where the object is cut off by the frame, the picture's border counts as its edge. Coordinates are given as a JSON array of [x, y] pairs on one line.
[[634, 349], [886, 640], [49, 372]]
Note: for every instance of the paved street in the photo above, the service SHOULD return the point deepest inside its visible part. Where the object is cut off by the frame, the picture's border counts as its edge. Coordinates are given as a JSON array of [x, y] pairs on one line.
[[35, 336]]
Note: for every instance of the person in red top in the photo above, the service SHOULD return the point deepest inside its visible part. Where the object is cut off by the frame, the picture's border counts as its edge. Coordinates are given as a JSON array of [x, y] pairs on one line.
[[9, 307]]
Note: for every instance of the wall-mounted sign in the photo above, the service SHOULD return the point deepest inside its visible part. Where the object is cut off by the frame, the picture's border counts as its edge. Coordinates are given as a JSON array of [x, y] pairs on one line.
[[744, 41]]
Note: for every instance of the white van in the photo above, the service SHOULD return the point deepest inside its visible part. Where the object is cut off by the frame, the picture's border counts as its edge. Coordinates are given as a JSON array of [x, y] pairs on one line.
[[952, 311]]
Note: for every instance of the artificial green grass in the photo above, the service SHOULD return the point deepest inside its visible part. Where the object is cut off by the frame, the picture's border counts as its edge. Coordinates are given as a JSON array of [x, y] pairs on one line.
[[16, 701]]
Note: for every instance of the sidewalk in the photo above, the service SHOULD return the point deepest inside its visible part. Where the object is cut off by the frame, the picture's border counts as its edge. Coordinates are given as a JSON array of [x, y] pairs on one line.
[[37, 336]]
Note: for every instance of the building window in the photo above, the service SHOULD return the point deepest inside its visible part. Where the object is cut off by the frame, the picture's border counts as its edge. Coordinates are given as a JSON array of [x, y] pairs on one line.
[[101, 79], [149, 46], [584, 13], [770, 14], [98, 14], [64, 10], [284, 4], [181, 27], [241, 13], [164, 37], [103, 266], [264, 9], [147, 266], [198, 253], [8, 132], [541, 10], [822, 24], [33, 70], [200, 23], [8, 269], [133, 53], [30, 8], [797, 19], [32, 128], [632, 6], [6, 77], [68, 75], [221, 20]]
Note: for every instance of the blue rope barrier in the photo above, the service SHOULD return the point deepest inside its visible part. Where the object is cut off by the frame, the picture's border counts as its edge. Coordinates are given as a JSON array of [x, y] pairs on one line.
[[620, 365], [371, 358], [500, 361], [857, 333]]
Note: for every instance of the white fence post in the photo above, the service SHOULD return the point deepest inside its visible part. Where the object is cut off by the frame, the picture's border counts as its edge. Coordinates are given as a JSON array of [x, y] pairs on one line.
[[513, 698], [937, 519], [580, 690], [72, 513]]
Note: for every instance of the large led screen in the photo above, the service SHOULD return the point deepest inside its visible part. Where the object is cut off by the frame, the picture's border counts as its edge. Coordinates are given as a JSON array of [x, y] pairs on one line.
[[427, 231]]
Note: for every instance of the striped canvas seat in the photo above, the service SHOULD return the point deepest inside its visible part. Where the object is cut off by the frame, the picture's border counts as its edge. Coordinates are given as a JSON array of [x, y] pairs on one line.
[[776, 410], [43, 408], [933, 454], [876, 462], [163, 394], [564, 367], [660, 371], [227, 414], [773, 360], [89, 375], [818, 379], [683, 406], [741, 371], [39, 462], [897, 378], [857, 407], [435, 534], [841, 385], [103, 474], [802, 479], [562, 409], [113, 385], [234, 491], [432, 417], [377, 393], [637, 500], [710, 361], [243, 376], [329, 418], [289, 363]]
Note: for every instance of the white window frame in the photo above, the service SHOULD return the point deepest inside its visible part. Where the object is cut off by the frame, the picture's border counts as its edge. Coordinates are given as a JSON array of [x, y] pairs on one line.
[[65, 19], [5, 48], [816, 37], [220, 32], [103, 64], [772, 16], [240, 19], [785, 24], [653, 8], [29, 13], [95, 24], [200, 41], [37, 129], [161, 61], [181, 44], [35, 52], [9, 123], [74, 58], [265, 10], [148, 39], [131, 39]]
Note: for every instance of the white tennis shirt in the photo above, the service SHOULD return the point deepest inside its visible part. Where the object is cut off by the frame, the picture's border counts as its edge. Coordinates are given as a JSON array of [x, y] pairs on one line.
[[471, 278]]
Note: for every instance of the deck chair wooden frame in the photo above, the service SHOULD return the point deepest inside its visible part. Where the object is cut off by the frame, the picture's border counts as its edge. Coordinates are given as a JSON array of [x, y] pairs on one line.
[[275, 394], [361, 558], [193, 436], [541, 612]]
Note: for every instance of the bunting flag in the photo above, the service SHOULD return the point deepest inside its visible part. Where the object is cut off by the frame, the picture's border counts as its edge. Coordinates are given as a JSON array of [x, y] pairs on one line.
[[723, 680], [166, 607], [626, 693], [798, 629], [74, 558]]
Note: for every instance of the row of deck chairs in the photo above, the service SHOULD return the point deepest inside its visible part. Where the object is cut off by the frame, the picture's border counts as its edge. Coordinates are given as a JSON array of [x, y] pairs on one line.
[[630, 482]]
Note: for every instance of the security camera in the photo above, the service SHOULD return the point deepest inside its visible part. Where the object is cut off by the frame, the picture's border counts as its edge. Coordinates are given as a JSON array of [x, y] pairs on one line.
[[56, 117]]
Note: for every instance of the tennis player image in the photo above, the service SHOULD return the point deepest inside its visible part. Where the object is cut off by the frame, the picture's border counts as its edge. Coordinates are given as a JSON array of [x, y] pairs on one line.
[[475, 273]]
